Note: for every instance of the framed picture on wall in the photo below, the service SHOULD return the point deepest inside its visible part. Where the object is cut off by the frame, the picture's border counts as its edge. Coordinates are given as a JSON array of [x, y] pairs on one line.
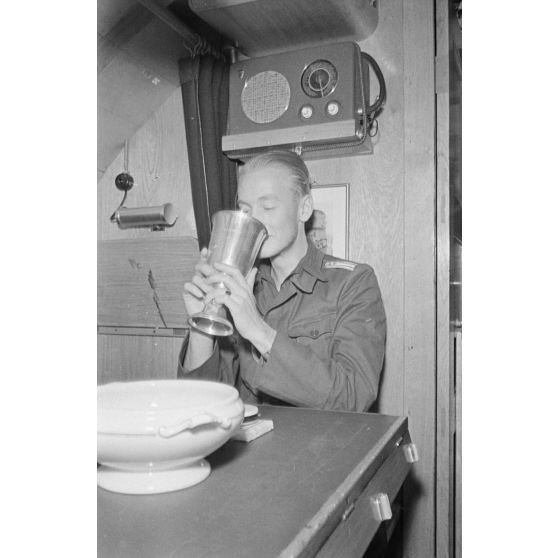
[[328, 228]]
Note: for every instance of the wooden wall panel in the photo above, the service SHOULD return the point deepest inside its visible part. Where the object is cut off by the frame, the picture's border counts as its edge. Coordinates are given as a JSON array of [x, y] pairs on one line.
[[444, 364], [140, 281], [420, 272], [136, 357], [376, 217], [458, 445], [158, 162]]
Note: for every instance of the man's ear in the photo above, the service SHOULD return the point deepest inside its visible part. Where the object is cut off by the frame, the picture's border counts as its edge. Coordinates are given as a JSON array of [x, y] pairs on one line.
[[305, 208]]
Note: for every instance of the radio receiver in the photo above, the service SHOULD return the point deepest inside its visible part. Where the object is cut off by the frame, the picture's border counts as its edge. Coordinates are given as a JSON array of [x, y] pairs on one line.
[[308, 100]]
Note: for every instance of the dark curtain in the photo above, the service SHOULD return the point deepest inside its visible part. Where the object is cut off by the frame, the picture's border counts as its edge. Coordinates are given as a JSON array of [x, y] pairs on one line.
[[205, 95]]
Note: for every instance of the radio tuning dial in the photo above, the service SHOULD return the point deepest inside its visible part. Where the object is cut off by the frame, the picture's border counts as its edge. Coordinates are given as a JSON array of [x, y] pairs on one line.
[[319, 79]]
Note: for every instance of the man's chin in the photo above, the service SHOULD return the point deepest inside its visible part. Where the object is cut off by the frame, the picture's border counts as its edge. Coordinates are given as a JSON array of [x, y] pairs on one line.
[[267, 251]]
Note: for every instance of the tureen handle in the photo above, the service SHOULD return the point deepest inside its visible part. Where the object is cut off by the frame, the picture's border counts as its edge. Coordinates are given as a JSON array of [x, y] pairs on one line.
[[193, 422]]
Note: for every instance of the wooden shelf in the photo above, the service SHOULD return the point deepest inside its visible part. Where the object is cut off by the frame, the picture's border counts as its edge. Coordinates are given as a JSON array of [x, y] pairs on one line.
[[262, 27]]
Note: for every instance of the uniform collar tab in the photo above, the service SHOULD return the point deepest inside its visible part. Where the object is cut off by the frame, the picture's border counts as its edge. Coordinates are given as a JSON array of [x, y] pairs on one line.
[[313, 262], [309, 269]]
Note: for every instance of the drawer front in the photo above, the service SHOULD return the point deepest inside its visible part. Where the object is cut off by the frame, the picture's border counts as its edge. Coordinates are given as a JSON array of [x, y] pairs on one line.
[[353, 534]]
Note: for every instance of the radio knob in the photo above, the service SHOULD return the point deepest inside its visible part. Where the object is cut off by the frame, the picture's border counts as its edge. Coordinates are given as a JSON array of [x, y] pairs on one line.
[[333, 108], [306, 112]]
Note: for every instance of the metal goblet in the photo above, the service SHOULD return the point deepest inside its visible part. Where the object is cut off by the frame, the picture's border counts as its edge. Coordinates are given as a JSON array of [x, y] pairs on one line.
[[236, 239]]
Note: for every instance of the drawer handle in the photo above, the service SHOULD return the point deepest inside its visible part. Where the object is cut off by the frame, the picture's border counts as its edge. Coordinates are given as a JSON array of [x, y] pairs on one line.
[[411, 453], [381, 509]]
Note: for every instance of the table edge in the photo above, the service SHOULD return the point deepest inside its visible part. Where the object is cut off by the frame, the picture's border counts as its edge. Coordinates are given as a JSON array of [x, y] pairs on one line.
[[323, 523]]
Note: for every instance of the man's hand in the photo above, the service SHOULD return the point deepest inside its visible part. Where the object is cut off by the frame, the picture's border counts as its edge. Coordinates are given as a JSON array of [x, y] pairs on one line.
[[196, 289], [238, 297], [200, 345]]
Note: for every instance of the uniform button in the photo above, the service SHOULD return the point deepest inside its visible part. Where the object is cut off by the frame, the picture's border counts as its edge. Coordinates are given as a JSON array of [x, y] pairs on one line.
[[314, 333]]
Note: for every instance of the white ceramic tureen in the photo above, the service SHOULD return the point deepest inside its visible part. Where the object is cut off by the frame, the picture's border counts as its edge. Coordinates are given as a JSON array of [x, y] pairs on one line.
[[152, 435]]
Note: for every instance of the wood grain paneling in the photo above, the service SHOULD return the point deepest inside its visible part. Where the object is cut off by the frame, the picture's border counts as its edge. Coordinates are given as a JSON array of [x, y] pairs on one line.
[[149, 89], [458, 444], [444, 368], [137, 58], [122, 358], [420, 272], [116, 27], [376, 216], [262, 27], [140, 281], [158, 162]]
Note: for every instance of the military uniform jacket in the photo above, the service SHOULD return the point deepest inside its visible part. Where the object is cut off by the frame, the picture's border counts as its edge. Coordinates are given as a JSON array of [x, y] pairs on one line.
[[329, 348]]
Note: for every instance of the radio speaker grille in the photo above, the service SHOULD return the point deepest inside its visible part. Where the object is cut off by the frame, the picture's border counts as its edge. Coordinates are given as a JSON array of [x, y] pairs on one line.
[[265, 97]]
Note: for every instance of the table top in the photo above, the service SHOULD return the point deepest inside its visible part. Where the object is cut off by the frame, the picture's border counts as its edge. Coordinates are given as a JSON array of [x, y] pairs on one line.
[[277, 494]]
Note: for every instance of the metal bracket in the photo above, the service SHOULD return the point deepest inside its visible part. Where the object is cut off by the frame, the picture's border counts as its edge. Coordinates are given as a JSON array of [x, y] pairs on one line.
[[381, 509]]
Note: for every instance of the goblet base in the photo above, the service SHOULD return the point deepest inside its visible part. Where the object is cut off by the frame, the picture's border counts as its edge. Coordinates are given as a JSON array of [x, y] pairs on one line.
[[211, 324]]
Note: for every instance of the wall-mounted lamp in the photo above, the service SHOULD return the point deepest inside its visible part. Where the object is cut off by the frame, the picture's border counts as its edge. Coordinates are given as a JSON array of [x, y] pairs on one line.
[[157, 217]]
